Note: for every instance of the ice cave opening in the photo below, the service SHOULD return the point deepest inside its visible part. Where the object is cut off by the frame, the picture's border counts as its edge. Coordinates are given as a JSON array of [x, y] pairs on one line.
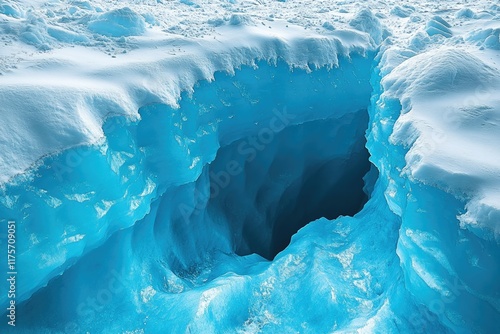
[[287, 148], [189, 195], [268, 186]]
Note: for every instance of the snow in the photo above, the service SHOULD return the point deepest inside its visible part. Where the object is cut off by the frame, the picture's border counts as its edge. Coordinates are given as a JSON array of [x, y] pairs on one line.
[[118, 22], [159, 155], [95, 86], [455, 117], [367, 22], [437, 25]]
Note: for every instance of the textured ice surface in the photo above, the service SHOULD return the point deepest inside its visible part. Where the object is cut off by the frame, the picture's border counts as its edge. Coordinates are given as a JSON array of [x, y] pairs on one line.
[[251, 166]]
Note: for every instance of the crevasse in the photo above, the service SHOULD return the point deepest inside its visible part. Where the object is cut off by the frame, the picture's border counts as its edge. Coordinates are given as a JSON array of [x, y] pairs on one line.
[[173, 219]]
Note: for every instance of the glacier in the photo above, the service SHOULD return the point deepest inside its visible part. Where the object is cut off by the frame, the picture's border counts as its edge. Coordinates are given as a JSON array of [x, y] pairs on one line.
[[343, 179]]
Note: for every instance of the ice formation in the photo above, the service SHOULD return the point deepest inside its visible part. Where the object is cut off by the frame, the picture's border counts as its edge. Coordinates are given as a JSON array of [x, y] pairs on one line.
[[251, 166]]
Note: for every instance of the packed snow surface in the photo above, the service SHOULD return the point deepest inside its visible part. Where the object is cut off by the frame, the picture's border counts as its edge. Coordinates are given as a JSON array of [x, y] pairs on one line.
[[251, 166]]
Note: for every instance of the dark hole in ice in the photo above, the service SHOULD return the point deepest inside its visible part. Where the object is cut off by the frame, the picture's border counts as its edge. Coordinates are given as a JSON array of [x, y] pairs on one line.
[[257, 180], [268, 189]]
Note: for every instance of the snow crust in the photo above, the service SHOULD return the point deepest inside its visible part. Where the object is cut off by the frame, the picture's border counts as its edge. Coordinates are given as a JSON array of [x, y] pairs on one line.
[[115, 117], [451, 125], [95, 86]]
